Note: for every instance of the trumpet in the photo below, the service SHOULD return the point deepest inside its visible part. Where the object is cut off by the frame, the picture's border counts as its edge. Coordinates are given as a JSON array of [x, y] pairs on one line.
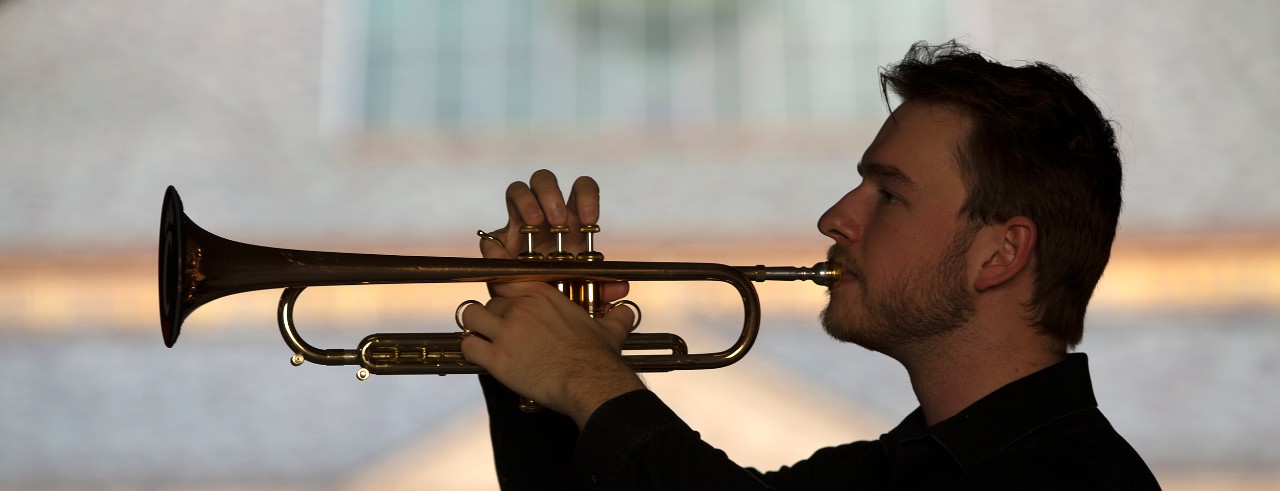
[[197, 267]]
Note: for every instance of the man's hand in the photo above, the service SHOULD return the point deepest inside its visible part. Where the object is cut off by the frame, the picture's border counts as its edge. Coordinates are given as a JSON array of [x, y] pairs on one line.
[[540, 203], [545, 347], [535, 341]]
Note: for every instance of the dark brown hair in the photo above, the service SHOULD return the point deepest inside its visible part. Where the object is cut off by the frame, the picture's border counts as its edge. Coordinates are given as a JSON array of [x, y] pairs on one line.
[[1039, 148]]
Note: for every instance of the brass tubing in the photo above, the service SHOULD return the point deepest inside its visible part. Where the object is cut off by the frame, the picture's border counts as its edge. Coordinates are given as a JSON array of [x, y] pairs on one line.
[[196, 267], [434, 353]]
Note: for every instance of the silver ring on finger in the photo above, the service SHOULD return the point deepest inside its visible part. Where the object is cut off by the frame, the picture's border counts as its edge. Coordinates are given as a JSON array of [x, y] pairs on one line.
[[629, 304], [457, 314]]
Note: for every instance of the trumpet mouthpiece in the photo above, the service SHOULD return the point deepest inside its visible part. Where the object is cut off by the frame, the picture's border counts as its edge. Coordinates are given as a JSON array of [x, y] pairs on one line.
[[825, 273]]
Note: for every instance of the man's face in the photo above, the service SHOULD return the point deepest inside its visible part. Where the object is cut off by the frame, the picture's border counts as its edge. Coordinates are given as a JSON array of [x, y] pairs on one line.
[[899, 236]]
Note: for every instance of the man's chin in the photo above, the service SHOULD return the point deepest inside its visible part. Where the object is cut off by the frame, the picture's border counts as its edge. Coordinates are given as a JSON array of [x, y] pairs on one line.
[[846, 330], [847, 327]]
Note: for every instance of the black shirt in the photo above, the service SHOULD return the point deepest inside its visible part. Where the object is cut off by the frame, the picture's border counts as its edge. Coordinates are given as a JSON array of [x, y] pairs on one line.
[[1043, 431]]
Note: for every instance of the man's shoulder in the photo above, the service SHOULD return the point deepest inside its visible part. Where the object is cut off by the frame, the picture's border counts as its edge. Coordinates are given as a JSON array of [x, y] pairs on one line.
[[1081, 450], [1084, 434]]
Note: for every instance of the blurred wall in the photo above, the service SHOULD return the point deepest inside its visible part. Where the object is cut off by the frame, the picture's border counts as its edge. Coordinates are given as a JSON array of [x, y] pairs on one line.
[[719, 131], [268, 118]]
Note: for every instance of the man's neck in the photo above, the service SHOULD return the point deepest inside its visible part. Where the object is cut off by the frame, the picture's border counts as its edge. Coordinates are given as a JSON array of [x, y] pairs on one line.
[[952, 372]]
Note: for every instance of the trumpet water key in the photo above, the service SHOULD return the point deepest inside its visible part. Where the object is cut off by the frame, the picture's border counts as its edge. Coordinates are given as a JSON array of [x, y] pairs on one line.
[[197, 267]]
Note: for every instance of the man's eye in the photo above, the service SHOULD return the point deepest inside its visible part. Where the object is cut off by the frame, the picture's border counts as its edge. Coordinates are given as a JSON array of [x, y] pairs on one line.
[[888, 198]]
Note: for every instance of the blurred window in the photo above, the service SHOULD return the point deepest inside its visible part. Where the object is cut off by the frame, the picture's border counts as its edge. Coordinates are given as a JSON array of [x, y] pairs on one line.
[[498, 65]]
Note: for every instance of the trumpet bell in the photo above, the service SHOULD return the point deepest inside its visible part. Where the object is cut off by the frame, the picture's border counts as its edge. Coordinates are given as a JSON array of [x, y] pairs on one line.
[[172, 224]]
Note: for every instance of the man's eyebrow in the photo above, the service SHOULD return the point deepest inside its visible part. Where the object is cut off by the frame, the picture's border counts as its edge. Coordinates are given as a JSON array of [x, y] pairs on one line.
[[886, 172]]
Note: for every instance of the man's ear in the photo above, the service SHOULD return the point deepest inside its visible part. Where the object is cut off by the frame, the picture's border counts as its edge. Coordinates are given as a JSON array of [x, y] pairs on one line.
[[1010, 255]]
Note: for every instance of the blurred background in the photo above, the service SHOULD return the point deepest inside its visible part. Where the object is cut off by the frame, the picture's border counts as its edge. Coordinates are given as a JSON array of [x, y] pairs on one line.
[[719, 130]]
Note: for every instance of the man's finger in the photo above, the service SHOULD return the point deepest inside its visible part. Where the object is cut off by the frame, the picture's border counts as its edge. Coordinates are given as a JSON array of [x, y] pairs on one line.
[[614, 290], [584, 199], [493, 249], [477, 350], [480, 320], [547, 190], [522, 206], [513, 289], [620, 320]]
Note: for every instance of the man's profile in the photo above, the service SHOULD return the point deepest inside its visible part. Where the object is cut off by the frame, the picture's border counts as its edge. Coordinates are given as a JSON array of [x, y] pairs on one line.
[[979, 220]]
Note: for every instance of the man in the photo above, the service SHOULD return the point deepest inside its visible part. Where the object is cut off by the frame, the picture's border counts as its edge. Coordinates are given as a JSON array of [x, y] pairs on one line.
[[984, 218]]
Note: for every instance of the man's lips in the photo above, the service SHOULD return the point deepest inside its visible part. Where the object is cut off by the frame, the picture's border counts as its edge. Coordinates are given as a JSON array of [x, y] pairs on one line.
[[849, 271]]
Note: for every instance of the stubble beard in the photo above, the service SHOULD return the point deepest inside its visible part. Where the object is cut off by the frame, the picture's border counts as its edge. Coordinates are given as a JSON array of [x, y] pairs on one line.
[[926, 303]]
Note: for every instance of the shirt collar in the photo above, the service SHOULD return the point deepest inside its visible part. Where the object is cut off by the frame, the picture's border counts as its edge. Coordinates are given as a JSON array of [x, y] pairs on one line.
[[1006, 415]]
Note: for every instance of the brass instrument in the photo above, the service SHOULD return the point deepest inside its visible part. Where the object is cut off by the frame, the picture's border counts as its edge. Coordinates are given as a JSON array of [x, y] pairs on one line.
[[197, 267]]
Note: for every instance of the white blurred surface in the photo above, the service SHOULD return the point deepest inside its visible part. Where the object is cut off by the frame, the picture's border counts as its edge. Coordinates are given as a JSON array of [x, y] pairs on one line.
[[254, 111]]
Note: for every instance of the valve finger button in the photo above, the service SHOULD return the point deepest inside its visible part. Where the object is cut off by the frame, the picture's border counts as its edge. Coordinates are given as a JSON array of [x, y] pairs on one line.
[[590, 254], [529, 253], [560, 254]]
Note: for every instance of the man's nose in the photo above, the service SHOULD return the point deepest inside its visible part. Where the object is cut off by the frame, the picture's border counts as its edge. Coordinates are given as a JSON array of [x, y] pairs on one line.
[[840, 222]]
